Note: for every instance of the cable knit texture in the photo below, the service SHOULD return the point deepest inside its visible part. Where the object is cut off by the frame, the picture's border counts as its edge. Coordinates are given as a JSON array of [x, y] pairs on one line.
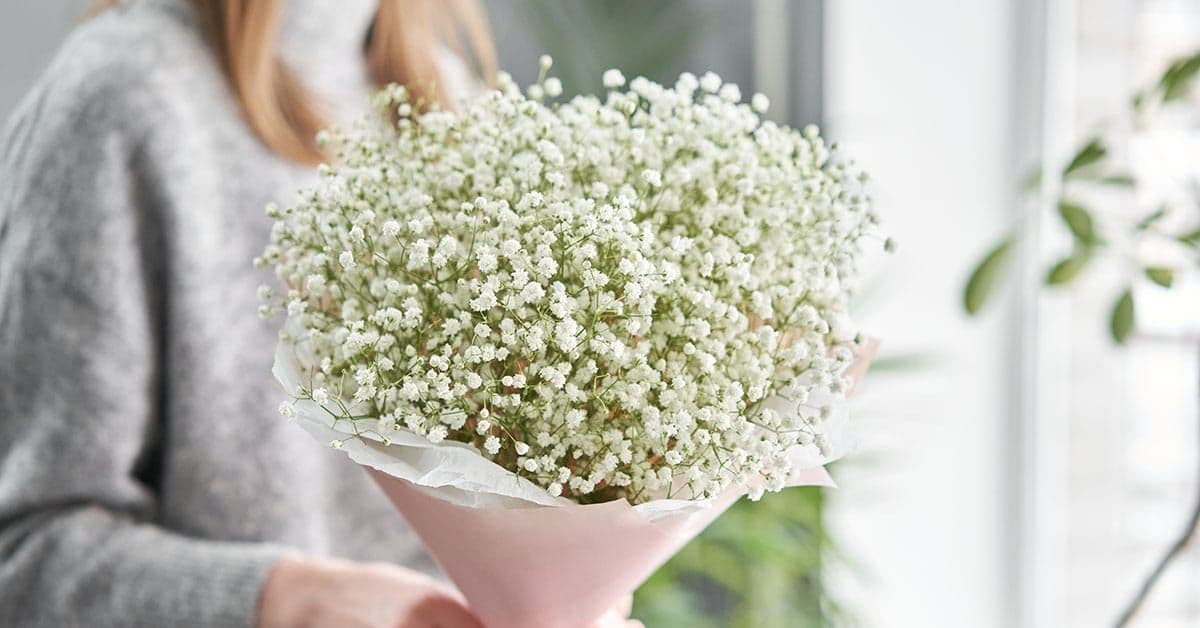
[[146, 478]]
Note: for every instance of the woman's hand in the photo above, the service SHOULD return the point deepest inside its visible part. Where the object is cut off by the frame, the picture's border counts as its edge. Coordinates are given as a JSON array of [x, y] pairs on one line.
[[320, 592]]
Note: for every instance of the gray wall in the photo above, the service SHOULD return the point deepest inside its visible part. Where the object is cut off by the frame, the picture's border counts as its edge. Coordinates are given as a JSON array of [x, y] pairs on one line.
[[30, 32]]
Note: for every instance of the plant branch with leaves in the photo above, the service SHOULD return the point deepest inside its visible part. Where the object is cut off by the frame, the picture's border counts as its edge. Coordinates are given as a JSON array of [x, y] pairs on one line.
[[1092, 168], [1164, 226]]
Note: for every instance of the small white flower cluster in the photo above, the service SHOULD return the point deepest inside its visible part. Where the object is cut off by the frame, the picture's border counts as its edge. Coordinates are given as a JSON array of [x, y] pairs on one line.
[[599, 295]]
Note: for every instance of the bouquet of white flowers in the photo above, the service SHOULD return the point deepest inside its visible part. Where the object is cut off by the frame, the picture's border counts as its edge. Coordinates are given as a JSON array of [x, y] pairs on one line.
[[566, 336]]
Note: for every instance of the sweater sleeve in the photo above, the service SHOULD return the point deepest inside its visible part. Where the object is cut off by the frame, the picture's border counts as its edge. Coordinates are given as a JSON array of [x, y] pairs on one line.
[[81, 323]]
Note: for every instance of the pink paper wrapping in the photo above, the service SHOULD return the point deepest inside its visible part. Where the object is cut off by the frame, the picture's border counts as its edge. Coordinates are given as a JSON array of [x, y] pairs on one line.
[[551, 566]]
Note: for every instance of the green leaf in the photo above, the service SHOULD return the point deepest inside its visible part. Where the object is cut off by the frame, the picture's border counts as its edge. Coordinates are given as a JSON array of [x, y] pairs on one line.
[[1160, 275], [1068, 268], [1033, 180], [1091, 153], [901, 363], [1120, 179], [1079, 221], [1191, 238], [1177, 80], [1138, 100], [1120, 321], [982, 281], [1151, 218]]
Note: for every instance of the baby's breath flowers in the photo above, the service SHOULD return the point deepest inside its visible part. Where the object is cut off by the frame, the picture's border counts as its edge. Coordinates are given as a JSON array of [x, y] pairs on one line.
[[607, 297]]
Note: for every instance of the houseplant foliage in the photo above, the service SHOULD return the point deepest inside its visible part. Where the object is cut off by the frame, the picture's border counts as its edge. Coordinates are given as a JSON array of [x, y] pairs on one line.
[[1157, 244], [1093, 166]]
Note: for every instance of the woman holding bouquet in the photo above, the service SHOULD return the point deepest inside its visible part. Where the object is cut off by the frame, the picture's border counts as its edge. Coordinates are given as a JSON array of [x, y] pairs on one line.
[[145, 477]]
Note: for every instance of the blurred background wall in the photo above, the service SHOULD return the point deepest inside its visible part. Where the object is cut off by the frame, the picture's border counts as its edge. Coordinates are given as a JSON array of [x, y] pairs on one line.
[[29, 34], [926, 96], [1015, 470]]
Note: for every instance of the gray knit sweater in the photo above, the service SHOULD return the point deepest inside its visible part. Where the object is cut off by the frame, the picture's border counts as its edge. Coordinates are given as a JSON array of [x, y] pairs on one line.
[[146, 478]]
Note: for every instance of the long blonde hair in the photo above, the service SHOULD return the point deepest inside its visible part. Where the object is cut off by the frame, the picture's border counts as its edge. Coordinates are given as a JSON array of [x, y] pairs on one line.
[[401, 48]]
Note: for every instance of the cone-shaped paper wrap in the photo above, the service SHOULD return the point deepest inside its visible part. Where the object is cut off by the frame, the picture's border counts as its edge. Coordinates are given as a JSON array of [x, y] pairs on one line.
[[548, 566], [521, 557]]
